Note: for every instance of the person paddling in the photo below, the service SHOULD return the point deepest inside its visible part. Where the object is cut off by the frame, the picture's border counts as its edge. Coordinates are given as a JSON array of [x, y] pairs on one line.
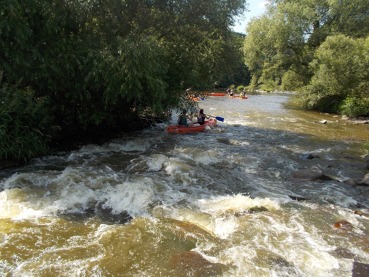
[[201, 117], [182, 119]]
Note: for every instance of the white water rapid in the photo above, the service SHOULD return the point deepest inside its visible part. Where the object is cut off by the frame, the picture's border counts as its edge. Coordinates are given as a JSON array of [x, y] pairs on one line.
[[218, 203]]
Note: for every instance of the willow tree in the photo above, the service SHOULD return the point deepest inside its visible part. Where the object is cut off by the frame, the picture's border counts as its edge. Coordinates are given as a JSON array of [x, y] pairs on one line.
[[280, 45], [277, 44], [100, 64], [341, 79]]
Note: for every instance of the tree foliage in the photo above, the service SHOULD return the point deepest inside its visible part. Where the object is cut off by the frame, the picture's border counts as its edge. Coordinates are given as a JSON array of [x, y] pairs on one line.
[[24, 123], [341, 77], [312, 46], [99, 64]]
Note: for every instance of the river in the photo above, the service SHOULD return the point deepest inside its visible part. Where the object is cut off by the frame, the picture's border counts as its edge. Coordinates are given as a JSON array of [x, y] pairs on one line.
[[218, 203]]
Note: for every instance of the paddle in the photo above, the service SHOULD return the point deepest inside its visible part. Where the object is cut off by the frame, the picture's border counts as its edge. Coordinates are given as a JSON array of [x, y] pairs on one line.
[[218, 118]]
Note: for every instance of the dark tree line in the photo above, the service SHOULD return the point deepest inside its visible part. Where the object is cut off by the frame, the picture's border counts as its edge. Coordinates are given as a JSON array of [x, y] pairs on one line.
[[69, 66]]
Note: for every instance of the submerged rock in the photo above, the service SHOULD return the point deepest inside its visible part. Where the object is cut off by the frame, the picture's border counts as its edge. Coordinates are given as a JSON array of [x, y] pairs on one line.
[[257, 209], [197, 264], [310, 156], [366, 159], [308, 174], [252, 210], [350, 182], [276, 263], [361, 213], [297, 198], [104, 214], [343, 253], [77, 216], [311, 175], [360, 269], [107, 215], [224, 141], [364, 181]]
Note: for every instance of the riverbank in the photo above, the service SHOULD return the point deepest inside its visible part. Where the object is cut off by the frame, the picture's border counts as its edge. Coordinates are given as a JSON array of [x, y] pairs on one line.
[[99, 136], [70, 142]]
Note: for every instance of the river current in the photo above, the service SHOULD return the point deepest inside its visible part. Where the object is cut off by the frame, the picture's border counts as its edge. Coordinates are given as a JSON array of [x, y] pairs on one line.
[[218, 203]]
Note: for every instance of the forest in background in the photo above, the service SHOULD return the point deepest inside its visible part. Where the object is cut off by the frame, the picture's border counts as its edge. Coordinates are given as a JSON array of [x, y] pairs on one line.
[[318, 48], [71, 69]]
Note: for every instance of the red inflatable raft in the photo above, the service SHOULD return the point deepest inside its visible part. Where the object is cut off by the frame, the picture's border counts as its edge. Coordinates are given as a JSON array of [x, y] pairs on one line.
[[174, 129], [217, 94]]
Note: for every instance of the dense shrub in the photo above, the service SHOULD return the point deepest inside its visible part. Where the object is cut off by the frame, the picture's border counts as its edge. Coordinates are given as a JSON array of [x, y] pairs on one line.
[[100, 65], [292, 81], [341, 79], [318, 46], [355, 107], [25, 124]]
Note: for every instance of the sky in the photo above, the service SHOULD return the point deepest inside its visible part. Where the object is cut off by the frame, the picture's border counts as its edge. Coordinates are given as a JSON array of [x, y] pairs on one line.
[[256, 8]]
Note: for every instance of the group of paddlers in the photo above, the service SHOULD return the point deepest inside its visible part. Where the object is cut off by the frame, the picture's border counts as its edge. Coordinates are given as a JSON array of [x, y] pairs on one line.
[[230, 92], [184, 119]]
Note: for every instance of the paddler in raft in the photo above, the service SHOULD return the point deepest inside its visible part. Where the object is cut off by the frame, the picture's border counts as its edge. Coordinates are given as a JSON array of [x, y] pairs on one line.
[[182, 119], [231, 92], [201, 117]]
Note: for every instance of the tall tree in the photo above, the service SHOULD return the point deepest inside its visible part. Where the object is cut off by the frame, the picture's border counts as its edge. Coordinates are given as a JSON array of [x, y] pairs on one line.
[[100, 63], [280, 45], [341, 79]]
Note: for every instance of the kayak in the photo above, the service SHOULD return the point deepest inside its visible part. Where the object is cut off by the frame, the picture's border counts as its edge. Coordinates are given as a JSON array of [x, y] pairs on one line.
[[217, 94], [209, 93], [174, 129]]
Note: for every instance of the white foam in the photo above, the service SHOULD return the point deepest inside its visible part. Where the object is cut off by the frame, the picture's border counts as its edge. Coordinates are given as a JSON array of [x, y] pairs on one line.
[[218, 215], [73, 197], [133, 197], [176, 166], [14, 204], [155, 162], [75, 190], [225, 226], [288, 238], [103, 229], [337, 194], [206, 157], [15, 180], [233, 204], [198, 155], [137, 145]]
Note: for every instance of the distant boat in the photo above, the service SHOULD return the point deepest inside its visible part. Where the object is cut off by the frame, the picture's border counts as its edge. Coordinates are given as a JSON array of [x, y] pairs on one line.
[[216, 93]]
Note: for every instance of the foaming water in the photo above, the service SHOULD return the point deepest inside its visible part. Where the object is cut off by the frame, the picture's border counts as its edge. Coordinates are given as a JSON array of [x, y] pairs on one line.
[[217, 203]]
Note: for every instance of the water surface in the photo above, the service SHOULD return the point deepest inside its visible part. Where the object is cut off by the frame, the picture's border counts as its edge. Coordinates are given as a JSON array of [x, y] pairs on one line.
[[218, 203]]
